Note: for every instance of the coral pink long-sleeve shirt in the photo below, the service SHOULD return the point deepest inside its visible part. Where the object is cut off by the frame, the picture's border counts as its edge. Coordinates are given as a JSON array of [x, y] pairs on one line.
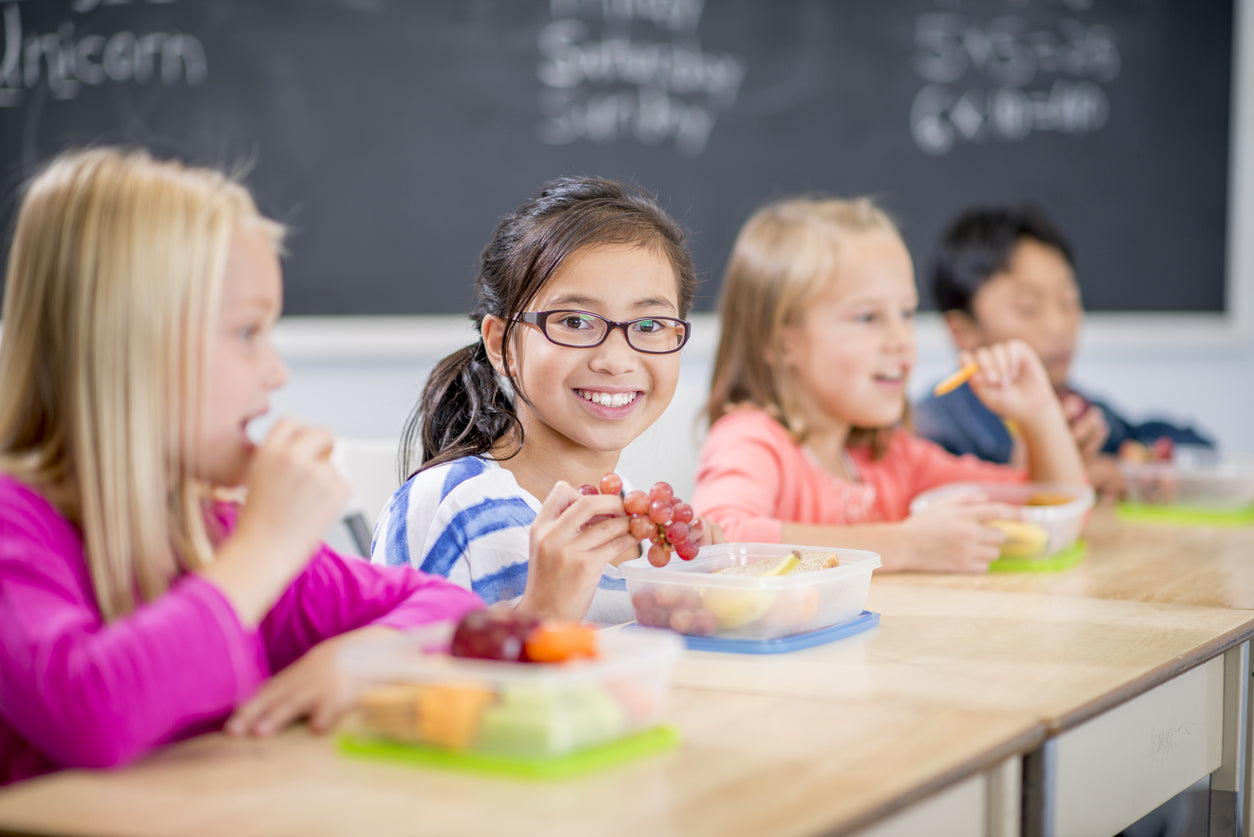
[[752, 478], [76, 692]]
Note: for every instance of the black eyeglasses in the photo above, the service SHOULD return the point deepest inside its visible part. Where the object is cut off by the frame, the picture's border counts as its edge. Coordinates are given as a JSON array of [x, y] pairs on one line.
[[583, 330]]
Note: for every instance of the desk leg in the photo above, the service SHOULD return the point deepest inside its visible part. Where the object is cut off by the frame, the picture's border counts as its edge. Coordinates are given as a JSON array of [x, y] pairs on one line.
[[1229, 784], [1005, 794], [1040, 786]]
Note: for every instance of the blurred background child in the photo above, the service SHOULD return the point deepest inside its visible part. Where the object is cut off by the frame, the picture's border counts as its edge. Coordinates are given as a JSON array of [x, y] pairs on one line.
[[808, 396], [1002, 273], [582, 293], [138, 609]]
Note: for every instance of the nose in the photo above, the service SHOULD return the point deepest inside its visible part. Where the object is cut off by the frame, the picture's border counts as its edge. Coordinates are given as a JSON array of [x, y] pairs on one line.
[[277, 372], [1061, 321], [900, 333], [615, 355]]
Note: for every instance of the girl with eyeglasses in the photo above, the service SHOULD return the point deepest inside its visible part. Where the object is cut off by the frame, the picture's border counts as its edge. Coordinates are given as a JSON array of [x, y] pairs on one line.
[[582, 293], [808, 399]]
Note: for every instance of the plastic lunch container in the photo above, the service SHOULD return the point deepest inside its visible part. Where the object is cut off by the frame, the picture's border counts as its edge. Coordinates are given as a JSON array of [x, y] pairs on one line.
[[1049, 518], [691, 598], [1205, 483], [418, 694]]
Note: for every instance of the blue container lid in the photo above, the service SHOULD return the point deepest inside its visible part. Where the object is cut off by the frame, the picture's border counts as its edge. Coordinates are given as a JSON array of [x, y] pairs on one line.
[[864, 621]]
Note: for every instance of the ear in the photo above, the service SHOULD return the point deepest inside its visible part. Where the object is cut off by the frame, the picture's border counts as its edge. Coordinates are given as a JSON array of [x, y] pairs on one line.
[[783, 353], [964, 330], [492, 330]]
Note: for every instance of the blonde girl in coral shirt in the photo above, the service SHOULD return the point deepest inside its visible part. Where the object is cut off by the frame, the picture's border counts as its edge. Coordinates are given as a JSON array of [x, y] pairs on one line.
[[807, 442]]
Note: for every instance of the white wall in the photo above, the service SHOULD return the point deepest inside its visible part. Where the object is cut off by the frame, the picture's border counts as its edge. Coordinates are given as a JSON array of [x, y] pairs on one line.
[[360, 377], [1141, 367]]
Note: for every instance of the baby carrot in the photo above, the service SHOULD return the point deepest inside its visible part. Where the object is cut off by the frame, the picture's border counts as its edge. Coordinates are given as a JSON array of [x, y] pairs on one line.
[[556, 642], [956, 380]]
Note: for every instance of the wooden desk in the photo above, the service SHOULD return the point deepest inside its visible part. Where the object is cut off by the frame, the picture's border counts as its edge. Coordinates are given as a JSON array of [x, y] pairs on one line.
[[747, 765], [922, 719], [1204, 566], [1207, 566], [1143, 690]]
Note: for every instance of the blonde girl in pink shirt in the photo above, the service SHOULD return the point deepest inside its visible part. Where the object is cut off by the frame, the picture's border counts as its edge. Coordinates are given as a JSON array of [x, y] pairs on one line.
[[807, 405], [137, 605]]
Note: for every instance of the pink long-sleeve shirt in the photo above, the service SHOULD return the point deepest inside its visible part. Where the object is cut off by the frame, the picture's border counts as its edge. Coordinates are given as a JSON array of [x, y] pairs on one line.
[[752, 478], [76, 692]]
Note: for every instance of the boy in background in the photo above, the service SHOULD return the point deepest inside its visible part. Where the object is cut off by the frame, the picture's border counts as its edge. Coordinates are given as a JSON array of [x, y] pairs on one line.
[[1007, 272]]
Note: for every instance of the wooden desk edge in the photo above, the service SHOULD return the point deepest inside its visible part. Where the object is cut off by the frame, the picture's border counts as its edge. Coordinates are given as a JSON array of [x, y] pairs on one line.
[[1208, 651]]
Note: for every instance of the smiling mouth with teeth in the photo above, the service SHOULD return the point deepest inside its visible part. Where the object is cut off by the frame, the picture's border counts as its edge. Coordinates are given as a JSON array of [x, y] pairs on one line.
[[608, 399]]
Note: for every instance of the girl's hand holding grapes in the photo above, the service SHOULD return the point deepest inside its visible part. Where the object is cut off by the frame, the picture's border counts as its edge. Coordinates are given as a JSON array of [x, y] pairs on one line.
[[573, 538], [578, 532]]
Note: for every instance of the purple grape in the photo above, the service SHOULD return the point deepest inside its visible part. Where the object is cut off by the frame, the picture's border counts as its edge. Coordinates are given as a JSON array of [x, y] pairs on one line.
[[491, 634]]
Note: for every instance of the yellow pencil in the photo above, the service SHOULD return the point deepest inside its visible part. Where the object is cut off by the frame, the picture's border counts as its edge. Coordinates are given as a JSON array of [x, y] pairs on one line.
[[957, 379]]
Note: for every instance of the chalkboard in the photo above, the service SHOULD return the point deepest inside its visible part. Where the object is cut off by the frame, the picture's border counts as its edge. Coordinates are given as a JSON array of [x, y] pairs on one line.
[[393, 134]]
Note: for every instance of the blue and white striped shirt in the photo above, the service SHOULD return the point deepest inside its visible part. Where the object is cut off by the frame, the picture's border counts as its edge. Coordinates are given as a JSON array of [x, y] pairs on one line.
[[470, 521]]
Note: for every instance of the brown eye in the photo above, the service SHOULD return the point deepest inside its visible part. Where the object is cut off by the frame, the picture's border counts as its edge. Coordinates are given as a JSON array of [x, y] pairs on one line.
[[574, 322]]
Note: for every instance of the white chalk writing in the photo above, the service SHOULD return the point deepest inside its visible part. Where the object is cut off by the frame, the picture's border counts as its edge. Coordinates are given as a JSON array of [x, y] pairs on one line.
[[65, 59], [615, 85], [676, 15], [1003, 80]]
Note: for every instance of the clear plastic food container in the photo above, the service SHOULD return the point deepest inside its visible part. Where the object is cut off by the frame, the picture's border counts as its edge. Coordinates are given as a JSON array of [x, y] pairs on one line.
[[1202, 483], [416, 693], [715, 593], [1048, 518]]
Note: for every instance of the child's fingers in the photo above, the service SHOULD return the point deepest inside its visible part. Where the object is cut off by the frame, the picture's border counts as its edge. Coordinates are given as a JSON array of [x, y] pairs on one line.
[[962, 497], [1089, 431], [1074, 407], [981, 556], [252, 717], [707, 532], [699, 528], [274, 709], [989, 539], [996, 365], [990, 511], [282, 431], [619, 545], [327, 713], [587, 510], [561, 497], [313, 443], [602, 533]]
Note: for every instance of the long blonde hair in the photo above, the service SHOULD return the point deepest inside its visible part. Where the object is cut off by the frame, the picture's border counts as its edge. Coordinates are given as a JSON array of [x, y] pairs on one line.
[[782, 256], [111, 293]]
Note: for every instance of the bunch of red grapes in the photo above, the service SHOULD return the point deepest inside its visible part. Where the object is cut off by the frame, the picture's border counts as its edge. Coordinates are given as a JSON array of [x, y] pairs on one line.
[[656, 516]]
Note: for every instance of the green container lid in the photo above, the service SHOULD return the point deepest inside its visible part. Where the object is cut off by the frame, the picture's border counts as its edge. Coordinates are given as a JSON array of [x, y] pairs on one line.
[[1185, 515], [656, 740], [1068, 557]]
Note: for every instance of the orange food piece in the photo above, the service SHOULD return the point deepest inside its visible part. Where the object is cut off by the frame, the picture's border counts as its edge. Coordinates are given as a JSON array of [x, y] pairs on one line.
[[1044, 499], [956, 380], [556, 642], [449, 713], [391, 710]]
